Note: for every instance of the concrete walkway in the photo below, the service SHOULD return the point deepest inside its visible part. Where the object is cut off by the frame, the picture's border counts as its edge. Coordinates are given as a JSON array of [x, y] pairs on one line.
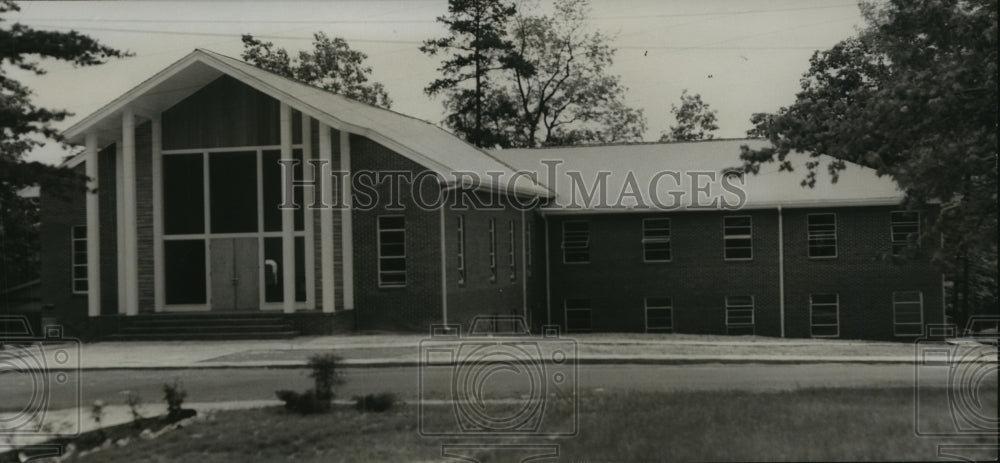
[[404, 350]]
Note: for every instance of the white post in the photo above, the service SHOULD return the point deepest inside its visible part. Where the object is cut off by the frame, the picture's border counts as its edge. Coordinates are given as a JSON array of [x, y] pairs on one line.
[[308, 214], [287, 218], [328, 268], [347, 240], [93, 230], [120, 224], [159, 278], [524, 267], [131, 243]]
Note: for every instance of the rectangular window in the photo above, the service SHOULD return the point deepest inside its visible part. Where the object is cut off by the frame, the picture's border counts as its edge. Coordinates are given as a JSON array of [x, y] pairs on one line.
[[659, 315], [905, 230], [510, 250], [824, 315], [184, 194], [908, 313], [656, 240], [577, 315], [493, 250], [576, 242], [461, 249], [391, 251], [232, 180], [822, 235], [738, 237], [740, 314], [527, 246], [79, 248], [184, 271]]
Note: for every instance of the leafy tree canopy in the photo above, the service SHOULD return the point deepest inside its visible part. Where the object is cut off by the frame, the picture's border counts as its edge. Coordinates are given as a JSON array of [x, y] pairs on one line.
[[332, 66], [695, 120], [23, 127], [913, 96]]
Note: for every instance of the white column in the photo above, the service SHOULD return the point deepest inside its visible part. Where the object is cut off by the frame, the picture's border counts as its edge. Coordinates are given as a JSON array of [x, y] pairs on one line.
[[781, 271], [120, 224], [131, 243], [346, 224], [93, 230], [444, 268], [327, 267], [287, 218], [159, 281], [308, 214]]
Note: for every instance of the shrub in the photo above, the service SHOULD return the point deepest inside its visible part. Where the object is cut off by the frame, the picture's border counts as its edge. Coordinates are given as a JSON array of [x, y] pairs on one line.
[[324, 373], [134, 401], [174, 394], [306, 403], [375, 402]]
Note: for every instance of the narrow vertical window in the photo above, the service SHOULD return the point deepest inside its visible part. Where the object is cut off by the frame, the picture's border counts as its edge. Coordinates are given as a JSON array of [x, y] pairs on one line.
[[577, 315], [527, 247], [461, 249], [659, 315], [822, 235], [905, 229], [908, 313], [493, 250], [738, 237], [511, 247], [739, 314], [824, 315], [576, 242], [656, 240], [79, 249], [391, 251]]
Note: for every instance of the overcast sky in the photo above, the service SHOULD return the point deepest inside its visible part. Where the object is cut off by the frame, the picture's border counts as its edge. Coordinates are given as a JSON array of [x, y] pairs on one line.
[[742, 56]]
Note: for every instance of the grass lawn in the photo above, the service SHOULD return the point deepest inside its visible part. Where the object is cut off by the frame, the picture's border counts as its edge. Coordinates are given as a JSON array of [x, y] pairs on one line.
[[807, 424]]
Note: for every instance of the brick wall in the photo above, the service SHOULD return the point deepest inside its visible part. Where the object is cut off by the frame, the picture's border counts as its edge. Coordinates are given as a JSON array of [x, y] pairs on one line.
[[418, 304], [59, 214], [698, 279]]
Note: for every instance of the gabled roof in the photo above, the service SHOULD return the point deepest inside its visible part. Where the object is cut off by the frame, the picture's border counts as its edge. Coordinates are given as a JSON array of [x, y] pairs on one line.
[[418, 140], [857, 186]]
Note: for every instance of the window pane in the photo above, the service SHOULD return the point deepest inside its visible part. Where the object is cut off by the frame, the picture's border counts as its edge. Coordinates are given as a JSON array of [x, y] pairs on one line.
[[184, 268], [233, 192], [183, 194], [273, 188]]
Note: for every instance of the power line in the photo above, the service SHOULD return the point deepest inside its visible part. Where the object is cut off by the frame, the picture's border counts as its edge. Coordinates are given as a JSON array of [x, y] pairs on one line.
[[413, 21]]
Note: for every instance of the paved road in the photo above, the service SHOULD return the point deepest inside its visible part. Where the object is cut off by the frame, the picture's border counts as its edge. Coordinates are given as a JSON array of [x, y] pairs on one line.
[[255, 384]]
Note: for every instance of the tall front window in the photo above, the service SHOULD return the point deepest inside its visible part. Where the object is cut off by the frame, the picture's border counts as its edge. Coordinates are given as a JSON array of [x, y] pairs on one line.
[[740, 314], [391, 251], [79, 237], [738, 237]]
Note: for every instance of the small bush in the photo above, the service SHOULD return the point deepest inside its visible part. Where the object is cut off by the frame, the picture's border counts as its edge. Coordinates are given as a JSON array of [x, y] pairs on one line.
[[324, 372], [375, 402], [174, 394], [306, 403], [134, 402]]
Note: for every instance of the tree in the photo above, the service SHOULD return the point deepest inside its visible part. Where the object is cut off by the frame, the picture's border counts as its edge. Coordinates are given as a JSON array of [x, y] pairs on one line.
[[695, 120], [332, 66], [913, 96], [476, 46], [23, 127], [565, 94]]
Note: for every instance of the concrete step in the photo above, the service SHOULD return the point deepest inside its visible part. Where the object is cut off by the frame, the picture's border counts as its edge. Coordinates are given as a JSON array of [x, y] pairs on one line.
[[215, 336]]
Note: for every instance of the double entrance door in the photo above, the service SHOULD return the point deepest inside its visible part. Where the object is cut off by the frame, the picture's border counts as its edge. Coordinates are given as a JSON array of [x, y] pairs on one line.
[[235, 274]]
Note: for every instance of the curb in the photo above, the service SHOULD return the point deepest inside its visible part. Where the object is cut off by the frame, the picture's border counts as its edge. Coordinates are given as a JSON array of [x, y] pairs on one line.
[[580, 362]]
